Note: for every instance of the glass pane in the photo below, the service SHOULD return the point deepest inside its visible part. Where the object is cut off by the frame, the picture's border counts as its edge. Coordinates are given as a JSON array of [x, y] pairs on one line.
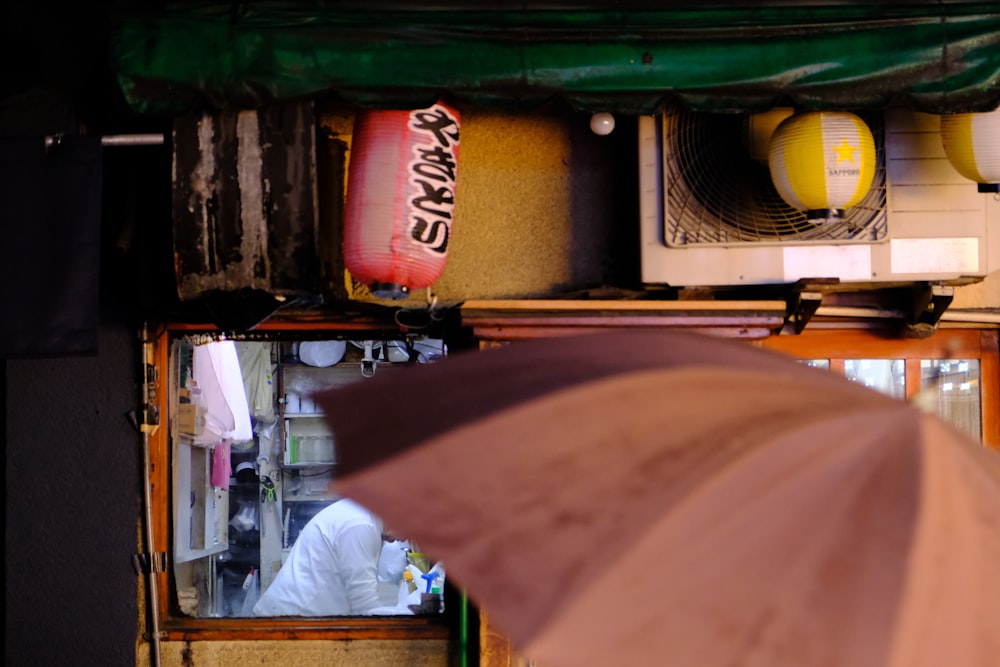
[[887, 376], [253, 470], [823, 364], [950, 389]]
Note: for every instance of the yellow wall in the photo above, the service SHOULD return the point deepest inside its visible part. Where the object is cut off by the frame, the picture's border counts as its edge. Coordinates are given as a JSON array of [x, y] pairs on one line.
[[535, 211]]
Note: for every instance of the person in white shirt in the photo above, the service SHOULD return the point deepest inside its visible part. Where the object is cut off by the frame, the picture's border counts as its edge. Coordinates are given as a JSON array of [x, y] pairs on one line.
[[332, 569]]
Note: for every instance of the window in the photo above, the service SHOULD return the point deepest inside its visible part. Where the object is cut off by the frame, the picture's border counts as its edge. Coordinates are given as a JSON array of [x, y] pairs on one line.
[[243, 460], [951, 389], [942, 374], [886, 376]]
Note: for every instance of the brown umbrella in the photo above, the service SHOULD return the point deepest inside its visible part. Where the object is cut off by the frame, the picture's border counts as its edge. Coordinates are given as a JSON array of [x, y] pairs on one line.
[[658, 498]]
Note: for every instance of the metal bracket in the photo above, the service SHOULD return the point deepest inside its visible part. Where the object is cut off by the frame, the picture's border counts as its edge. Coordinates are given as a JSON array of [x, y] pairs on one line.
[[927, 305], [801, 307], [149, 563]]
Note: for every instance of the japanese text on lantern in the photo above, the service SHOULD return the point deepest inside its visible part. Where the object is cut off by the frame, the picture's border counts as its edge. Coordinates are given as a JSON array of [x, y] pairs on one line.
[[432, 172]]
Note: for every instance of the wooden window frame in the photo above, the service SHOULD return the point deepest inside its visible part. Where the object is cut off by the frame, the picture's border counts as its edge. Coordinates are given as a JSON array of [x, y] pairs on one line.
[[838, 345], [174, 626]]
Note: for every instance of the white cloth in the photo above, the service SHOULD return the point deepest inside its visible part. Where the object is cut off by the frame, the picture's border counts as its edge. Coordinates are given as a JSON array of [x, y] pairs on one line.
[[332, 569], [258, 379], [216, 371]]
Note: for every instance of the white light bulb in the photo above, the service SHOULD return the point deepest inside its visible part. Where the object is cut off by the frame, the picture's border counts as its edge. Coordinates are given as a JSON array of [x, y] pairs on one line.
[[602, 123]]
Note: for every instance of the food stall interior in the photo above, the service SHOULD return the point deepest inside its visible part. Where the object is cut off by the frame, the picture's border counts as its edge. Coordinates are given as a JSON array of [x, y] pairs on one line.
[[254, 459]]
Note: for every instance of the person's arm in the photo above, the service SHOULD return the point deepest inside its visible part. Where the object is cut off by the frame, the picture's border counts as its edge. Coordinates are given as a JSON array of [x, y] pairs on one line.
[[359, 549]]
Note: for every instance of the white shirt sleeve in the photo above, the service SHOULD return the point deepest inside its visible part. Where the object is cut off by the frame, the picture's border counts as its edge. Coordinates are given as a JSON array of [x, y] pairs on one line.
[[359, 548]]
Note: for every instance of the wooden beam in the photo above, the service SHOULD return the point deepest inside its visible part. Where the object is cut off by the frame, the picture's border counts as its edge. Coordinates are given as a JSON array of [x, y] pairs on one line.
[[532, 318]]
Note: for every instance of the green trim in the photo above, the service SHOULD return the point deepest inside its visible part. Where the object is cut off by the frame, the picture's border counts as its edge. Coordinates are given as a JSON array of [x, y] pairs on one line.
[[935, 57]]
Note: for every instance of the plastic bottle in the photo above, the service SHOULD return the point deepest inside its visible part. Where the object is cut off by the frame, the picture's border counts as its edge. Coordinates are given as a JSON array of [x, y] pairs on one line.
[[406, 587], [437, 583]]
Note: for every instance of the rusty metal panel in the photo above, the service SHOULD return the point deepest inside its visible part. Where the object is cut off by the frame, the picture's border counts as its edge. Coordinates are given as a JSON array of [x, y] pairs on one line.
[[245, 202]]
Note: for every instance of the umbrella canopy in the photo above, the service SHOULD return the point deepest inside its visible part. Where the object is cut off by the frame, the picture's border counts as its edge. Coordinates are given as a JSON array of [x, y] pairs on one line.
[[661, 498]]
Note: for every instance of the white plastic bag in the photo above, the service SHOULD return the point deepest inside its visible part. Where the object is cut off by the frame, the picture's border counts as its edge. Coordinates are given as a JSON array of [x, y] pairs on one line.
[[392, 561]]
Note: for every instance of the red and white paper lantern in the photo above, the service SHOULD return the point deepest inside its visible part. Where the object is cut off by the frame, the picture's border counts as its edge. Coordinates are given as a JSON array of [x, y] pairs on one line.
[[401, 198]]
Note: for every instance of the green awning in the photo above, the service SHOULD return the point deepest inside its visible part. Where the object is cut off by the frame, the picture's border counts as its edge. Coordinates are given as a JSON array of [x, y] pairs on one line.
[[938, 57]]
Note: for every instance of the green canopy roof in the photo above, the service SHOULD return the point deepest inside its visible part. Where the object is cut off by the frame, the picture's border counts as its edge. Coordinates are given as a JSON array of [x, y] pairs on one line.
[[938, 57]]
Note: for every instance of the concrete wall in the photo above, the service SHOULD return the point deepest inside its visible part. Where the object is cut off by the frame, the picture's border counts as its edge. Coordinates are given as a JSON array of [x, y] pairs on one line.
[[73, 505]]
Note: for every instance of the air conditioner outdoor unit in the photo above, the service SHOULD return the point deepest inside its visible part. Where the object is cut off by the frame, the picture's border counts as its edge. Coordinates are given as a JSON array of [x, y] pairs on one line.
[[710, 215]]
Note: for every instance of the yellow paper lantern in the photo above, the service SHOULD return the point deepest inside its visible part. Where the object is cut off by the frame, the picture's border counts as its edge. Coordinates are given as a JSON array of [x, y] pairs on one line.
[[822, 162], [972, 144], [759, 128]]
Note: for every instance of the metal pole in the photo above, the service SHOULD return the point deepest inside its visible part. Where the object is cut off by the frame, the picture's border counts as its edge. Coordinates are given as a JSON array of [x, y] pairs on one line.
[[132, 140], [117, 140], [146, 427]]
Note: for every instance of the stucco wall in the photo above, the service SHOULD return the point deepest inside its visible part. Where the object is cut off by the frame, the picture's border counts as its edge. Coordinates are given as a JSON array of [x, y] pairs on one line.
[[985, 294], [303, 654]]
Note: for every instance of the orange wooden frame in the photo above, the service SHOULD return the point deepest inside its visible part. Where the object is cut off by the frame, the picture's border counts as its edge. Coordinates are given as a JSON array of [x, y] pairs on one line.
[[838, 345], [176, 627]]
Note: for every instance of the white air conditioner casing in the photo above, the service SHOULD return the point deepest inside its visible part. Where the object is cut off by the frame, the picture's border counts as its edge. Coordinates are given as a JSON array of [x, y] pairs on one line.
[[933, 224]]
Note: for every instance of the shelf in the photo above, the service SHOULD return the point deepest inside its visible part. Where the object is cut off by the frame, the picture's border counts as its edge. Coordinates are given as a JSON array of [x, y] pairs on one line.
[[515, 319], [316, 484], [204, 522], [308, 442], [324, 497]]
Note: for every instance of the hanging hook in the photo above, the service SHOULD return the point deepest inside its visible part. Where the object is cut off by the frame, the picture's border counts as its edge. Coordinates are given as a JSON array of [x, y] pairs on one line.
[[368, 362]]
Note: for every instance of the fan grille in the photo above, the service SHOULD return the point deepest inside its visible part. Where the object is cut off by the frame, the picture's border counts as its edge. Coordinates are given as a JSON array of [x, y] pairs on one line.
[[716, 193]]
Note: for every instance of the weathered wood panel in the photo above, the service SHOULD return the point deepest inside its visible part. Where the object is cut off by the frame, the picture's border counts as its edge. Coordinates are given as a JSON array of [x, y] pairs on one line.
[[245, 202]]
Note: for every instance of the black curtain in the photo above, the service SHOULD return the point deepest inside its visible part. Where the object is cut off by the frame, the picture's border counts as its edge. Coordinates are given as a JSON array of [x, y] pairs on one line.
[[50, 219]]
